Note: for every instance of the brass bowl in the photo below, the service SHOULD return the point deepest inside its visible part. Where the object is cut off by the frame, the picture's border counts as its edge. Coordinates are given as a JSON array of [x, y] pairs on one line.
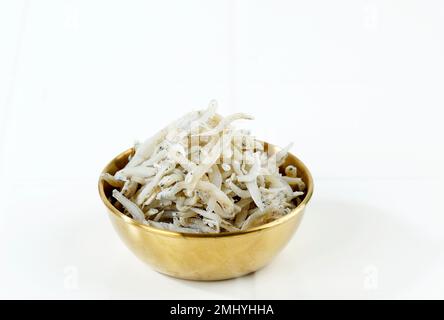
[[205, 256]]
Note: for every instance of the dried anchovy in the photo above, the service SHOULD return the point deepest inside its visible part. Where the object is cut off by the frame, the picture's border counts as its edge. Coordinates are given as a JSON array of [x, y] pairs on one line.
[[224, 182]]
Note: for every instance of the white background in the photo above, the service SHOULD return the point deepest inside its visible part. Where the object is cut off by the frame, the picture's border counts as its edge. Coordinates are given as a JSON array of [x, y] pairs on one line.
[[357, 85]]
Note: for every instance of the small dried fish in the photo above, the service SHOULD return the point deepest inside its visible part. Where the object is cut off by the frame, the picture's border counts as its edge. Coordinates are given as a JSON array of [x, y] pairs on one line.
[[112, 181], [202, 175], [135, 212]]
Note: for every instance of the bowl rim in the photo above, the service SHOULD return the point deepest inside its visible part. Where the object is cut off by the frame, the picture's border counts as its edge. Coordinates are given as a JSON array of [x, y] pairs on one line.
[[296, 211]]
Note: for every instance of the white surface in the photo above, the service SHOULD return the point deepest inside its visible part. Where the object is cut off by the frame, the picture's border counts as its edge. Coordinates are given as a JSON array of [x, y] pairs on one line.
[[357, 85]]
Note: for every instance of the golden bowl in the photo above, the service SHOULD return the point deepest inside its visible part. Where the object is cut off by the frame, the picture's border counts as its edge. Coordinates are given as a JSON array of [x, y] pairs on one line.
[[205, 256]]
